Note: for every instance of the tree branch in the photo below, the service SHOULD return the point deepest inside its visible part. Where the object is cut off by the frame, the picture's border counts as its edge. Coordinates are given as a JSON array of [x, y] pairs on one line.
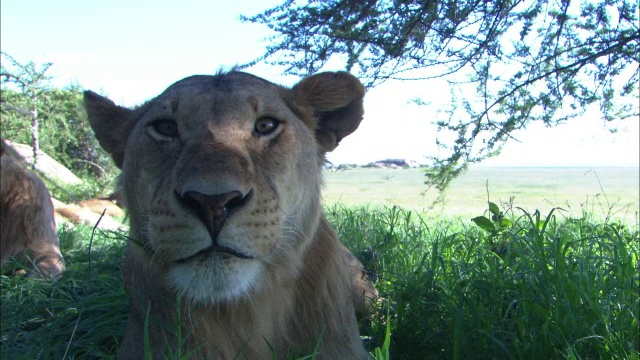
[[17, 110]]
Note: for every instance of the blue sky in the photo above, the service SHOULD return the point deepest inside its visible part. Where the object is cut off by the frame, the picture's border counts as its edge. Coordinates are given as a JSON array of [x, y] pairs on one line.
[[132, 50]]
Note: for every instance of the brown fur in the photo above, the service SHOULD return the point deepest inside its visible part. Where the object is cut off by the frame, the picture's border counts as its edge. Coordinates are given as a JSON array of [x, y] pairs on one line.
[[89, 212], [257, 276], [27, 224], [99, 205], [363, 292]]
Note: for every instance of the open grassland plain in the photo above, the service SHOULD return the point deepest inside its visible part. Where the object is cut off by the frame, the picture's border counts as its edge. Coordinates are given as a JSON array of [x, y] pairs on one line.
[[600, 192], [517, 285]]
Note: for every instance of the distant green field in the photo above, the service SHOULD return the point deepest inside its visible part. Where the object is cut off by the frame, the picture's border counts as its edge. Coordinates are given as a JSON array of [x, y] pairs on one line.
[[597, 191]]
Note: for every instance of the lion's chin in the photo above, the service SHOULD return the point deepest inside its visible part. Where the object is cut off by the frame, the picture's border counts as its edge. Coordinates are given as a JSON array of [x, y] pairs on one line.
[[214, 280]]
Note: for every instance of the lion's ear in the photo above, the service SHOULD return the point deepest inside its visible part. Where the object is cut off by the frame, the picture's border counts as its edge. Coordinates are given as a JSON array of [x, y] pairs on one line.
[[111, 123], [335, 99]]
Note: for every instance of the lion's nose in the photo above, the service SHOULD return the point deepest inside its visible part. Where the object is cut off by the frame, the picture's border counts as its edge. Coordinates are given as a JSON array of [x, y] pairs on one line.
[[214, 209]]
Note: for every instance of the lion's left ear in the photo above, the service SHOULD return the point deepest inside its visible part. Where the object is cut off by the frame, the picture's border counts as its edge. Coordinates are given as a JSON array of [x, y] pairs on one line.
[[335, 100]]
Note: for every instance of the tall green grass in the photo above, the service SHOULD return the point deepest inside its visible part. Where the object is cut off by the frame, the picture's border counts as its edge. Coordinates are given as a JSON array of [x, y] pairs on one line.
[[541, 288], [81, 316], [538, 287]]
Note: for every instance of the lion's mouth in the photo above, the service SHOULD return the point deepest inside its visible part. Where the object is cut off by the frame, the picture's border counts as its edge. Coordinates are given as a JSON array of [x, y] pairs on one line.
[[215, 249], [213, 211]]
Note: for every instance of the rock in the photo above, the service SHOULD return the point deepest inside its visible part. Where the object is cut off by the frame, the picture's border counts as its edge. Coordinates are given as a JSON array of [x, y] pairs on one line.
[[49, 167]]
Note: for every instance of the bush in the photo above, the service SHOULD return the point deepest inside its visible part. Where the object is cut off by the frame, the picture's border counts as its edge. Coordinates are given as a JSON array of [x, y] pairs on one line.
[[64, 130]]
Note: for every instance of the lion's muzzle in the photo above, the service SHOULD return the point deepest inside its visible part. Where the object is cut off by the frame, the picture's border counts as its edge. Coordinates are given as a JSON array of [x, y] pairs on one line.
[[214, 210]]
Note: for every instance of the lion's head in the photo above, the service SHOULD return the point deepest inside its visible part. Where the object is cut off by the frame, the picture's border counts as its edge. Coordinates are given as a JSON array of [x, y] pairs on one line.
[[221, 174], [221, 177]]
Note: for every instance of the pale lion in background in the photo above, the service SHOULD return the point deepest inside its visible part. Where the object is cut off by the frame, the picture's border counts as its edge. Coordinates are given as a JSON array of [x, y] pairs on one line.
[[27, 223]]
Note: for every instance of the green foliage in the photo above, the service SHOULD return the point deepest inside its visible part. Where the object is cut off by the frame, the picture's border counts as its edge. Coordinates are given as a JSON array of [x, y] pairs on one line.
[[80, 316], [535, 288], [526, 61], [90, 188], [64, 132], [497, 222], [382, 353]]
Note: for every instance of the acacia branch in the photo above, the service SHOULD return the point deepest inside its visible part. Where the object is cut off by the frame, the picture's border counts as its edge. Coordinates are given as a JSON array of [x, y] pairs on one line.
[[580, 63]]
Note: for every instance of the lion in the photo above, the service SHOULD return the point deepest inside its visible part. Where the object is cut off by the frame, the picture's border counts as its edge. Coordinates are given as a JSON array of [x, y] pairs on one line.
[[231, 255], [102, 212], [27, 223]]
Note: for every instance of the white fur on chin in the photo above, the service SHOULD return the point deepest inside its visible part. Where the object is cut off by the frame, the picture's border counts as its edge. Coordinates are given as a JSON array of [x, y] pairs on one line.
[[210, 282]]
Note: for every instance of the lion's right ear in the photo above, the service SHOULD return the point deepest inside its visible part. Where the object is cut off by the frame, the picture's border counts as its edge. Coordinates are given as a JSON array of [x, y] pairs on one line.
[[111, 123]]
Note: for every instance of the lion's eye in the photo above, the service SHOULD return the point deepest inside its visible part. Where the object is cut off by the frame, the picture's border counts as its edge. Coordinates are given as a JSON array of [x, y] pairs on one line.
[[165, 127], [266, 125]]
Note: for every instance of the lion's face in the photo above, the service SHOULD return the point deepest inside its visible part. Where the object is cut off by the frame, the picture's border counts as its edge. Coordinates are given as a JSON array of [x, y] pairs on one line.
[[220, 180], [221, 175]]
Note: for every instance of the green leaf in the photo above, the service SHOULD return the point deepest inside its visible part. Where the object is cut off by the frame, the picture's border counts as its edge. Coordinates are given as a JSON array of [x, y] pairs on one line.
[[505, 222], [484, 223], [148, 353], [382, 353], [495, 210]]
